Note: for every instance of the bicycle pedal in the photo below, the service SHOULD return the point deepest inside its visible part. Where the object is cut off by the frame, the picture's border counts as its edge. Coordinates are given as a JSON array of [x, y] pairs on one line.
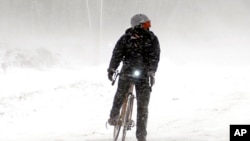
[[131, 124]]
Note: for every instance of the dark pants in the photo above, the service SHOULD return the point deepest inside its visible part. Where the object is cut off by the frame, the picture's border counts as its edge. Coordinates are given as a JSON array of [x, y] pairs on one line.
[[142, 95]]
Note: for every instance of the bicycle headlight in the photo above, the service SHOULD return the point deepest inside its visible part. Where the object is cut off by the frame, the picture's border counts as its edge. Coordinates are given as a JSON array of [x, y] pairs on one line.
[[136, 73]]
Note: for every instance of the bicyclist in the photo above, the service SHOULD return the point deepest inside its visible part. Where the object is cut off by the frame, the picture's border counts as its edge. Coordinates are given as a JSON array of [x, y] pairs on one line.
[[139, 50]]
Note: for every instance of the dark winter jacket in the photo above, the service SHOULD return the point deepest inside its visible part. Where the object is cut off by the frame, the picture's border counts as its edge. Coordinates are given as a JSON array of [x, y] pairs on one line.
[[137, 49]]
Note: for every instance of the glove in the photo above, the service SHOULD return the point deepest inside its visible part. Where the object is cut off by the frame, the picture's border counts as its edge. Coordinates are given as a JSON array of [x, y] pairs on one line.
[[151, 76], [111, 72]]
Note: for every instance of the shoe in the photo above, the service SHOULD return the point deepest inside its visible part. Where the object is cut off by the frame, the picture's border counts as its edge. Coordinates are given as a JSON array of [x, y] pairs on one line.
[[142, 139], [112, 121]]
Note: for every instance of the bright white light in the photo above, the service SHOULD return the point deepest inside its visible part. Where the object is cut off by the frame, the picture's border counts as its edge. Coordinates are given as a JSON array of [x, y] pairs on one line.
[[136, 73]]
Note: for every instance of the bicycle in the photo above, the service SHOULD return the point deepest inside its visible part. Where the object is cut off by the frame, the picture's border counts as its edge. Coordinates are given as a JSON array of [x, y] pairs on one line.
[[125, 118]]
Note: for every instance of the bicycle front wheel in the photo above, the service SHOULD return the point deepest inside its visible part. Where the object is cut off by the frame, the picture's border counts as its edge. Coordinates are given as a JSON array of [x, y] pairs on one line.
[[117, 129], [127, 118]]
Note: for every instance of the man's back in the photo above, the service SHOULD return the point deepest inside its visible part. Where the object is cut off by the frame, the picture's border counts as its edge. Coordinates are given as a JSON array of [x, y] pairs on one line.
[[137, 48]]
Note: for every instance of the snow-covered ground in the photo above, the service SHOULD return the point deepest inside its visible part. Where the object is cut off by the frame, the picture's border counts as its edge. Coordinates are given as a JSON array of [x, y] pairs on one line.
[[188, 103]]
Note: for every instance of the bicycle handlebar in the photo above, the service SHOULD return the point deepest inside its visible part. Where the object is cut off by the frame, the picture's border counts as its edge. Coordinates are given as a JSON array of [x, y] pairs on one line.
[[115, 75]]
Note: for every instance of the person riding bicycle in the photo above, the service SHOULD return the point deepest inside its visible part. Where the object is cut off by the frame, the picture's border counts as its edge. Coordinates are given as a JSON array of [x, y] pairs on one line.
[[139, 50]]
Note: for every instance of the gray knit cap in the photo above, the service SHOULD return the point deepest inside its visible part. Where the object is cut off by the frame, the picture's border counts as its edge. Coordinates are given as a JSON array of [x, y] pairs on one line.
[[138, 19]]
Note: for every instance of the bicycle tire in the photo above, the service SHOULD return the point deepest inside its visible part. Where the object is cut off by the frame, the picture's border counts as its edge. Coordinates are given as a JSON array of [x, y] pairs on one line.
[[127, 117], [117, 129], [120, 121]]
